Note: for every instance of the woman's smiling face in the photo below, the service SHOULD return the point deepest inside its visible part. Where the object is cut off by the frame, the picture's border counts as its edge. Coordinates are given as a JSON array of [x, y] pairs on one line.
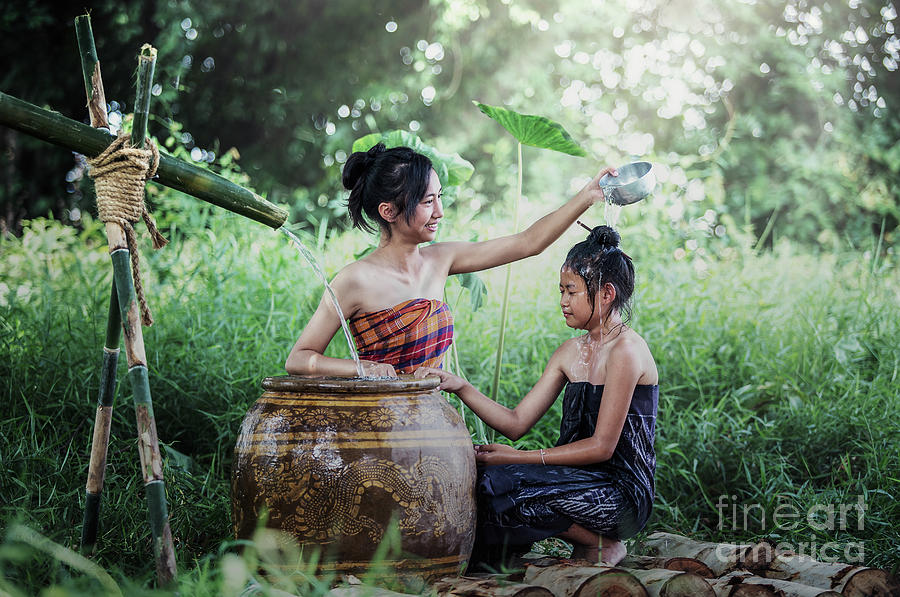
[[424, 220]]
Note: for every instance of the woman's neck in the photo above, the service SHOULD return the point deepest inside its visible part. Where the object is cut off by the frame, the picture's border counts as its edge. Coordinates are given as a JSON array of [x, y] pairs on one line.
[[403, 256]]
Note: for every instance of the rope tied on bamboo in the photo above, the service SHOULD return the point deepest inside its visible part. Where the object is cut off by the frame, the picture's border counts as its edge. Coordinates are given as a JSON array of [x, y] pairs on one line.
[[119, 175]]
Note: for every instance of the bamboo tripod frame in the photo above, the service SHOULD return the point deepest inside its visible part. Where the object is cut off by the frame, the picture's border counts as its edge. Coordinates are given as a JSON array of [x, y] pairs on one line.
[[124, 313]]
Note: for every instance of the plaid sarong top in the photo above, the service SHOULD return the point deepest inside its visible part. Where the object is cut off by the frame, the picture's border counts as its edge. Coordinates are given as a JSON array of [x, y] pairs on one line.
[[416, 333]]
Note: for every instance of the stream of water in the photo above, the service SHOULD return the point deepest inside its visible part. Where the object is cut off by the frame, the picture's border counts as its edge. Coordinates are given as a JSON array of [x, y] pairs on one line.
[[314, 264], [611, 213]]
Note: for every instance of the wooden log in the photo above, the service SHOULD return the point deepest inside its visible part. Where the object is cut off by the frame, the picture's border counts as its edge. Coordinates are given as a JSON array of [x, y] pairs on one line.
[[470, 586], [845, 578], [96, 101], [566, 580], [721, 558], [783, 588], [733, 587], [363, 591], [172, 172], [673, 583], [691, 565]]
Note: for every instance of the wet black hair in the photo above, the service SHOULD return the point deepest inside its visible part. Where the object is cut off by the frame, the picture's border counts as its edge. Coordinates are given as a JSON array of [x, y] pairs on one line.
[[398, 175], [598, 260]]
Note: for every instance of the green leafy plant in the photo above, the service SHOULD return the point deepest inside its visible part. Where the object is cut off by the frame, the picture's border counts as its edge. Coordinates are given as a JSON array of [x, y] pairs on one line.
[[452, 169], [536, 131]]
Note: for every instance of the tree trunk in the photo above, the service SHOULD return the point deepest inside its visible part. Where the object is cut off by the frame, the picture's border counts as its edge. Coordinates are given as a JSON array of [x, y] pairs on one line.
[[565, 580], [467, 586]]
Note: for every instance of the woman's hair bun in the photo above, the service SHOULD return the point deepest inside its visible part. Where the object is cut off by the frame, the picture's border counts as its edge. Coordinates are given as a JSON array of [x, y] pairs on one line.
[[358, 164], [604, 236]]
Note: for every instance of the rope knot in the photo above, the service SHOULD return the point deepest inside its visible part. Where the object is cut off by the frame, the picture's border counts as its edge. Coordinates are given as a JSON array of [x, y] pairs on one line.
[[119, 175]]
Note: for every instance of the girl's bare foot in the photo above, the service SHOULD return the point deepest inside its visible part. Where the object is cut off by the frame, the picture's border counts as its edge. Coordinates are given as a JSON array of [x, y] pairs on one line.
[[612, 551], [586, 552]]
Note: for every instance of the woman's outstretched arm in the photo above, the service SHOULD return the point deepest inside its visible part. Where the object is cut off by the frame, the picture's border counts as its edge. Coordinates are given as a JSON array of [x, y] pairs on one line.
[[511, 422], [470, 257]]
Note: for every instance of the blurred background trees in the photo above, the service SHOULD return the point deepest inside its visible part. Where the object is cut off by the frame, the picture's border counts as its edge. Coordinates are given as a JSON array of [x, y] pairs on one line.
[[766, 119]]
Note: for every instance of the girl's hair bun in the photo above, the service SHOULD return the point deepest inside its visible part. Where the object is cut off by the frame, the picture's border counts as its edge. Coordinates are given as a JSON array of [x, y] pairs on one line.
[[604, 236], [358, 164]]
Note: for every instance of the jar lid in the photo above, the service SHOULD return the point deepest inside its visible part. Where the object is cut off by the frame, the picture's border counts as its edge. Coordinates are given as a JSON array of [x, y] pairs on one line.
[[350, 385]]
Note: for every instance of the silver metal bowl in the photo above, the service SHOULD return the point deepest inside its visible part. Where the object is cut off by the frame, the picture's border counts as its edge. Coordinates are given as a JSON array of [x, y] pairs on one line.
[[634, 182]]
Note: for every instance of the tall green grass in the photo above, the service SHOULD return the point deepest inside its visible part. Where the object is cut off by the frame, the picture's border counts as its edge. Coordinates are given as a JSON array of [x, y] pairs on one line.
[[778, 374]]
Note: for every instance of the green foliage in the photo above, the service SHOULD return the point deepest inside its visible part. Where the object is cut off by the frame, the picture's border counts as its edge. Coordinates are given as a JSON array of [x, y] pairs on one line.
[[770, 114], [452, 169], [536, 131], [777, 383]]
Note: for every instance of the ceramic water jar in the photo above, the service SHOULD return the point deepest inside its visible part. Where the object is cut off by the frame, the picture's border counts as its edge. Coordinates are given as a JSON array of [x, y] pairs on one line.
[[342, 463]]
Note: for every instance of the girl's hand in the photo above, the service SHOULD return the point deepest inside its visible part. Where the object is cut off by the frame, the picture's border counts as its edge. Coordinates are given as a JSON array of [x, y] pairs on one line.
[[373, 369], [491, 454], [592, 190], [449, 382]]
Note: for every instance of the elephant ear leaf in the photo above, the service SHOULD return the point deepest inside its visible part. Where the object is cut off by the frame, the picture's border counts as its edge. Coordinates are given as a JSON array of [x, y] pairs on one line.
[[477, 289], [452, 169], [536, 131]]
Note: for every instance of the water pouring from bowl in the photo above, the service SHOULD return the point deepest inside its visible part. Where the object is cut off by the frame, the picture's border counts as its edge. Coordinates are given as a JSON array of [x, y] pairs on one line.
[[634, 182]]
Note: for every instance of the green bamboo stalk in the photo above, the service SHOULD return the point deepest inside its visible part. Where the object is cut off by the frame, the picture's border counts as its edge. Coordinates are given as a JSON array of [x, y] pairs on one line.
[[148, 442], [96, 102], [90, 69], [174, 173], [102, 423], [146, 65], [495, 388]]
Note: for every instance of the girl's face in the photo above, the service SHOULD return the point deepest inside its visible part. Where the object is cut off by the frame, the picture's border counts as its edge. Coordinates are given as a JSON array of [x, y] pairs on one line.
[[573, 299], [423, 223]]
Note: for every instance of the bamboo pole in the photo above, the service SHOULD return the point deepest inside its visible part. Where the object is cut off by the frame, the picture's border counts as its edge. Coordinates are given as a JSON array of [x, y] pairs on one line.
[[148, 442], [172, 172], [129, 316], [96, 103], [102, 423]]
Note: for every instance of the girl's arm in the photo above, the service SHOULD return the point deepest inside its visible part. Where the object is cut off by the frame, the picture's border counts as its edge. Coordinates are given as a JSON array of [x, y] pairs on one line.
[[624, 371], [471, 257], [307, 356], [513, 423]]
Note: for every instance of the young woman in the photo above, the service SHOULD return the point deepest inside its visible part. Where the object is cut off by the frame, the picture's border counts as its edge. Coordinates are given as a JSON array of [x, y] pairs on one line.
[[595, 487], [392, 296]]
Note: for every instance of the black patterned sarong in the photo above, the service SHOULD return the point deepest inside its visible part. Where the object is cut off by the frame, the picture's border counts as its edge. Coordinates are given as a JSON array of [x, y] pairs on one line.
[[522, 503]]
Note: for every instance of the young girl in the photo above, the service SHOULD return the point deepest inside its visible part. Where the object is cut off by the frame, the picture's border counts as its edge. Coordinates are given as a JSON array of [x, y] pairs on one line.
[[595, 487], [392, 296]]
